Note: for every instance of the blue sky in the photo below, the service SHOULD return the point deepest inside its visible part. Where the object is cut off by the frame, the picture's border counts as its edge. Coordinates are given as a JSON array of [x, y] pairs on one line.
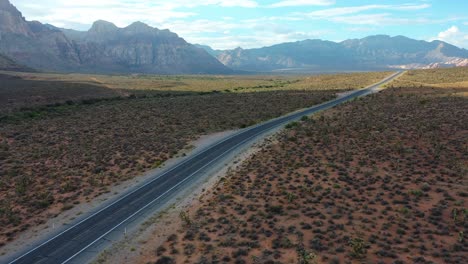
[[226, 24]]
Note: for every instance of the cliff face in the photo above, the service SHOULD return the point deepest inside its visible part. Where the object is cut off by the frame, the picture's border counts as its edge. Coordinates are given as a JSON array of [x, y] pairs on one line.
[[33, 44], [141, 48], [105, 48], [11, 20]]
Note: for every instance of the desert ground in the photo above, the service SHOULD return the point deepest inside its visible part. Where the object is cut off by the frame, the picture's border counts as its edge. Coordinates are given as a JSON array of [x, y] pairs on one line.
[[382, 179], [67, 139], [22, 91]]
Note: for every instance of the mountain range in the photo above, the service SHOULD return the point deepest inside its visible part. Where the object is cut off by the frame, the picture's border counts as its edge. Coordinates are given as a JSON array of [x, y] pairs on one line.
[[378, 52], [105, 48], [139, 48]]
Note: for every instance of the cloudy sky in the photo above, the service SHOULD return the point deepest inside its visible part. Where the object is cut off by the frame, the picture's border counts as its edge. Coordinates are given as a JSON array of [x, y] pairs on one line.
[[225, 24]]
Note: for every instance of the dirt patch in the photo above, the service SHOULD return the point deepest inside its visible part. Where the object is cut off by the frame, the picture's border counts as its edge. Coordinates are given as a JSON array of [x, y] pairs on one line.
[[58, 219], [382, 179], [76, 153], [156, 230]]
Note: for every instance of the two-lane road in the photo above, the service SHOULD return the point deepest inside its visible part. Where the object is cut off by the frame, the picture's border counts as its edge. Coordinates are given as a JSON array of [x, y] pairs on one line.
[[82, 236]]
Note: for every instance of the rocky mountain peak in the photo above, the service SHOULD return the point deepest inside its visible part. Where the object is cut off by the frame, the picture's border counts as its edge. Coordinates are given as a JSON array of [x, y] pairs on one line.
[[6, 6], [102, 26], [139, 27], [238, 50], [105, 48], [11, 20], [100, 31]]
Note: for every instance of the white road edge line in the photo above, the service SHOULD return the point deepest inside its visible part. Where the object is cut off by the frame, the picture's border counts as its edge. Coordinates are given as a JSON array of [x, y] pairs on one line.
[[166, 192], [166, 172], [128, 194], [190, 176]]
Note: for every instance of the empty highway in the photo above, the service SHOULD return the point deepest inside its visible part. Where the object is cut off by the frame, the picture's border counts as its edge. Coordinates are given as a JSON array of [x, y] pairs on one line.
[[82, 236]]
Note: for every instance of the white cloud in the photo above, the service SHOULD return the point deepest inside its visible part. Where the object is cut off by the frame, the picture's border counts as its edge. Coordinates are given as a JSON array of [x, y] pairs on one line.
[[360, 15], [180, 16], [224, 3], [148, 3], [246, 41], [200, 26], [227, 34], [175, 15], [409, 7], [121, 12], [340, 11], [361, 29], [71, 14], [239, 3], [452, 31], [377, 20], [286, 3], [455, 36]]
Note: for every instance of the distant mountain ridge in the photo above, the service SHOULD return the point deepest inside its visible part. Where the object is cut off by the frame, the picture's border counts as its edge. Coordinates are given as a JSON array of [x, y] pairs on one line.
[[208, 49], [378, 52], [139, 48], [105, 48]]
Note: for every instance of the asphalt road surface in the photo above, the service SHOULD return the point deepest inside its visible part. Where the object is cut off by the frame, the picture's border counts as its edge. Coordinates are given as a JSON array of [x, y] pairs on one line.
[[67, 245]]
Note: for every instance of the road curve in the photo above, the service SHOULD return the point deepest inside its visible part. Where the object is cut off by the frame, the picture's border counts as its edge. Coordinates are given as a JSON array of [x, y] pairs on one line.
[[67, 245]]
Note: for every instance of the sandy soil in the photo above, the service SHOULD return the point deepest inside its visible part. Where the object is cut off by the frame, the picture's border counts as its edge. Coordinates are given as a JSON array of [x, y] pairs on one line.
[[382, 179], [59, 220], [155, 231]]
